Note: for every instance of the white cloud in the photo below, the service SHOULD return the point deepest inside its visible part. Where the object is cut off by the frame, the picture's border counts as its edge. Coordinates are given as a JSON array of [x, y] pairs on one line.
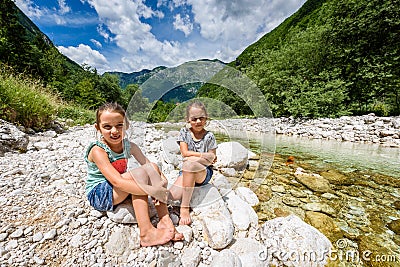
[[64, 8], [61, 16], [83, 54], [29, 8], [237, 21], [183, 24], [96, 43], [215, 29], [142, 48]]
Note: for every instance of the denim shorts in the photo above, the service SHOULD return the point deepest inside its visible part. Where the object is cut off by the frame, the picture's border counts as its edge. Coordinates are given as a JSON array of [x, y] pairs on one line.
[[209, 174], [101, 197]]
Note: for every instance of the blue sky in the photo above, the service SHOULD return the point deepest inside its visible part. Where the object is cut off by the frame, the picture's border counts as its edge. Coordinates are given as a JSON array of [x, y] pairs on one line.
[[131, 35]]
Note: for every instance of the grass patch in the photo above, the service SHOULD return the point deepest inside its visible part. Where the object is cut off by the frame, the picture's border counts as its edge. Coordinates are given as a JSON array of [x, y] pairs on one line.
[[27, 102], [74, 115]]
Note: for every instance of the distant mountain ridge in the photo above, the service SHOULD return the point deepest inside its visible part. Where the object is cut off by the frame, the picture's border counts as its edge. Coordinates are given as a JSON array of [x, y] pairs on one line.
[[138, 77], [177, 95]]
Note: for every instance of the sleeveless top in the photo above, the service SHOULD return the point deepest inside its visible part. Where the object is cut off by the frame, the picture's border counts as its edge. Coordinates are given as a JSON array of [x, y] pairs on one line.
[[118, 160]]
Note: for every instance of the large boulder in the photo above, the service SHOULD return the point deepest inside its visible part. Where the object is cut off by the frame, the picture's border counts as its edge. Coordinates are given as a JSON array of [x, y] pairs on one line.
[[210, 209], [232, 155], [292, 242], [11, 138]]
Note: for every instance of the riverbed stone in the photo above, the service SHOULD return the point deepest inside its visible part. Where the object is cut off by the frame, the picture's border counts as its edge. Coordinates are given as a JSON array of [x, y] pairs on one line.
[[313, 181], [395, 226], [292, 236], [324, 224], [376, 247], [336, 177]]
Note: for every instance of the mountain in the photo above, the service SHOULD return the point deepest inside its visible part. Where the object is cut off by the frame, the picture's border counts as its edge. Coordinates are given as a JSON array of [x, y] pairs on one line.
[[26, 49], [179, 94], [135, 77], [330, 58]]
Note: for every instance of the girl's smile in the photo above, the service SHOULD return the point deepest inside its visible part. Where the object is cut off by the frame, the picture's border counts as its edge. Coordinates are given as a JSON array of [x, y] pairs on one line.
[[112, 128], [197, 119]]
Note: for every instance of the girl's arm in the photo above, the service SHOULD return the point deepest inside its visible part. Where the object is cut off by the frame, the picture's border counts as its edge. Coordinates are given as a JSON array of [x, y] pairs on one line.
[[138, 154], [206, 158]]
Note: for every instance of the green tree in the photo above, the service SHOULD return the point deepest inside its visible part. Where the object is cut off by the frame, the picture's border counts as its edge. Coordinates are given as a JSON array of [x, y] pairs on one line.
[[109, 87]]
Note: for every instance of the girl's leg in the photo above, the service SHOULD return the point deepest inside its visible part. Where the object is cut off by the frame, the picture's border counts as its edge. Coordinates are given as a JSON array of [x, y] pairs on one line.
[[149, 235], [192, 173], [156, 177], [137, 182], [166, 222], [175, 191]]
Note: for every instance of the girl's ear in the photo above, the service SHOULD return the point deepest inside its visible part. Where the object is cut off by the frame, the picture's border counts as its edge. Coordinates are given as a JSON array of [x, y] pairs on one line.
[[97, 127]]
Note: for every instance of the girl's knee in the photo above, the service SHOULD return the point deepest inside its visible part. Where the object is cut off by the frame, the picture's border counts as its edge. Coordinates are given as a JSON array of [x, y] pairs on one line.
[[155, 166], [140, 175], [190, 166]]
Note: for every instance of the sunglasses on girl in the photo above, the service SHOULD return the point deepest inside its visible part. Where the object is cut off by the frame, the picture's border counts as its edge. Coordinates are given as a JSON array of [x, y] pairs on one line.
[[202, 119]]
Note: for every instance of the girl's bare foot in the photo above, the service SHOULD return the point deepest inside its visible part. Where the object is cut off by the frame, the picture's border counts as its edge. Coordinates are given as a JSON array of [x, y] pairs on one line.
[[154, 236], [166, 223], [185, 216]]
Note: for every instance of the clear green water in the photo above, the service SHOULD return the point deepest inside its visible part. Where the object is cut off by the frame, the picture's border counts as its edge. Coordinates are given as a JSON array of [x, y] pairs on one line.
[[344, 156]]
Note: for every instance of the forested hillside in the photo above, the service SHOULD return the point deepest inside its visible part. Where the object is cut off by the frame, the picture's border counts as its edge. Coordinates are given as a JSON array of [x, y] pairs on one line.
[[26, 54], [331, 58]]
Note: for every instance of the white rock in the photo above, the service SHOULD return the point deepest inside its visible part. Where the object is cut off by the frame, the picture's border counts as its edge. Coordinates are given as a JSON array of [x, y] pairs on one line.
[[37, 237], [186, 231], [231, 155], [291, 236], [242, 213], [217, 223], [190, 257], [226, 257], [249, 250], [247, 195], [50, 234]]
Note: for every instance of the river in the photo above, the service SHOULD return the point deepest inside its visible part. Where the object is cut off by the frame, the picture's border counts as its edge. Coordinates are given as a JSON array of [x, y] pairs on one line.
[[362, 209]]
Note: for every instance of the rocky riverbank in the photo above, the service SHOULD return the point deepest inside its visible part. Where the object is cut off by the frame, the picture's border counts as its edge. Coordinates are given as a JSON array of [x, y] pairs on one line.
[[46, 219], [364, 129]]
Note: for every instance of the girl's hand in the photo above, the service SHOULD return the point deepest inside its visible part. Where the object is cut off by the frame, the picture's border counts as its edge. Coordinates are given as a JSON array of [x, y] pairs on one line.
[[157, 192], [210, 157]]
